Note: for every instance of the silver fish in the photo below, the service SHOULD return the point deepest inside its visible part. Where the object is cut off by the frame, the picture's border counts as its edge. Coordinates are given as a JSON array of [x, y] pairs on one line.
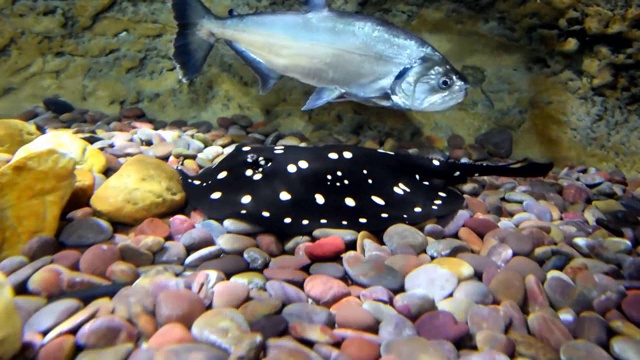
[[294, 190], [346, 56]]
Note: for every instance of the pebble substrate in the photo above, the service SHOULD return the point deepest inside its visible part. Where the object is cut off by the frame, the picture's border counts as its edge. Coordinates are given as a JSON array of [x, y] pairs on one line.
[[523, 271]]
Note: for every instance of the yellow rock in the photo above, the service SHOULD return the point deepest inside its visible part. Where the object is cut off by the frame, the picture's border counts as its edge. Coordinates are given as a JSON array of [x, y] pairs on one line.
[[14, 134], [5, 159], [143, 187], [82, 190], [33, 192], [461, 268], [11, 329], [86, 156]]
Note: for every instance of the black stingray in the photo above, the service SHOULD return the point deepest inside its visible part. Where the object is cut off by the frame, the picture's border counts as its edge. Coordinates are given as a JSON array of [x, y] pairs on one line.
[[292, 189]]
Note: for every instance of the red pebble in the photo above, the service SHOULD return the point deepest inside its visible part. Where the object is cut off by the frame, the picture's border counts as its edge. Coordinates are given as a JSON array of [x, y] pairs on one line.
[[325, 249], [153, 226]]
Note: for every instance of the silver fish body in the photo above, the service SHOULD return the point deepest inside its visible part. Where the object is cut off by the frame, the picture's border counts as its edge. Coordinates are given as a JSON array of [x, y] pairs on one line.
[[345, 56], [295, 190]]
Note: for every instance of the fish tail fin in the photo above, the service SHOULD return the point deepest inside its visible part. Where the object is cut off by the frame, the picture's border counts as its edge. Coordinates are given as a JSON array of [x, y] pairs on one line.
[[193, 42]]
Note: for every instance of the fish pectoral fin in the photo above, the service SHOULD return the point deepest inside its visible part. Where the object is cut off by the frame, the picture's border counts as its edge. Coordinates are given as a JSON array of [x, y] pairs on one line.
[[321, 96], [266, 76], [316, 5]]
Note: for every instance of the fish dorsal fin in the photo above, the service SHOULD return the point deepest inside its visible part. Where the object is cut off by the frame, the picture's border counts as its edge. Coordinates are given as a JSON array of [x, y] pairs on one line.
[[316, 5], [266, 76], [321, 96]]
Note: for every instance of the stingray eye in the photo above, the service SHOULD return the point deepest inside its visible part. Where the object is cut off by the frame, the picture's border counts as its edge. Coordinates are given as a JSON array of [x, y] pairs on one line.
[[445, 82], [252, 157]]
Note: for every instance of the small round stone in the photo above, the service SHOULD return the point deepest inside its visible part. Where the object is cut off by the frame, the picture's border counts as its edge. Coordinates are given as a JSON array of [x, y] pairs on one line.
[[433, 280], [324, 249], [508, 285], [440, 325], [86, 232], [461, 268], [97, 259], [325, 290], [229, 294], [179, 305]]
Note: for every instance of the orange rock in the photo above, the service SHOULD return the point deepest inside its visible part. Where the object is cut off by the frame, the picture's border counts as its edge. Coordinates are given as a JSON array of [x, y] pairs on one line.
[[33, 192], [82, 190], [170, 334]]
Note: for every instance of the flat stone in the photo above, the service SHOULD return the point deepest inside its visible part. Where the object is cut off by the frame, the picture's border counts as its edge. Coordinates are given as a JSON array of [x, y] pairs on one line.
[[105, 331], [508, 285], [371, 271], [433, 280], [51, 315], [226, 328], [86, 232], [399, 237], [325, 290], [440, 325], [582, 349]]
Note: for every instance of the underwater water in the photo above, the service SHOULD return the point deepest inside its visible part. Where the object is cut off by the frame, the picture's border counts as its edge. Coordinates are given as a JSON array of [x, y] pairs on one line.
[[342, 231]]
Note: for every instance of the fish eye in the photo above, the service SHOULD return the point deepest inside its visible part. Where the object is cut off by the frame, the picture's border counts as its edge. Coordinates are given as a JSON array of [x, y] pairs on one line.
[[445, 82]]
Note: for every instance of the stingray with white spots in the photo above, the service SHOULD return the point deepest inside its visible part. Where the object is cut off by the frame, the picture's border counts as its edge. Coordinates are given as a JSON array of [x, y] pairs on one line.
[[294, 190]]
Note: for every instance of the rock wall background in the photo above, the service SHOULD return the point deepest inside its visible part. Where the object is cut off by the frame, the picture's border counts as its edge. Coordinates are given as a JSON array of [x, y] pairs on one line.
[[561, 74]]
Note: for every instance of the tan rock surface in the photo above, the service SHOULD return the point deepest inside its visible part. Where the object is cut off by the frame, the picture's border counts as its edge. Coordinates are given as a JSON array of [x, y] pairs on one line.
[[33, 192], [144, 187], [14, 134], [11, 329]]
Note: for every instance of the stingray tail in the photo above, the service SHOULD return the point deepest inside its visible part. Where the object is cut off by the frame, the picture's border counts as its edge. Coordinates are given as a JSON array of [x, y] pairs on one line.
[[194, 39], [455, 172]]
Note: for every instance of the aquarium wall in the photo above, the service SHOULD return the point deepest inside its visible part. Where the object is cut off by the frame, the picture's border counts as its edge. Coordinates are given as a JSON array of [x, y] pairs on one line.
[[561, 75]]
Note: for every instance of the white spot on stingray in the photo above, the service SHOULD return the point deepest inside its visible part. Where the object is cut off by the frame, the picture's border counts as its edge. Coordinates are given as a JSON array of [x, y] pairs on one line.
[[280, 151], [216, 195], [319, 199], [426, 182], [404, 187], [333, 155], [362, 220], [243, 212], [246, 199], [287, 220], [349, 201], [434, 207], [284, 196], [437, 202], [476, 174], [385, 152], [370, 181], [266, 214], [257, 176], [339, 173], [417, 209], [364, 172], [436, 162], [196, 182], [442, 194], [323, 221], [249, 172], [292, 168], [457, 173], [417, 177], [305, 222], [246, 148], [346, 182], [398, 191], [303, 164], [377, 200], [222, 175], [328, 177], [344, 222], [347, 154], [384, 215], [279, 147]]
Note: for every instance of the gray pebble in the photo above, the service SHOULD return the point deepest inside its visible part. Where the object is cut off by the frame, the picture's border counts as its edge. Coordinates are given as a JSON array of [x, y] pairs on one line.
[[86, 232]]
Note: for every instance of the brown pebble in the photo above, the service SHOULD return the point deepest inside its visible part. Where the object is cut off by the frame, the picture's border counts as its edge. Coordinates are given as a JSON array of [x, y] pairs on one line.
[[153, 226], [60, 348], [179, 305], [170, 334], [98, 258]]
